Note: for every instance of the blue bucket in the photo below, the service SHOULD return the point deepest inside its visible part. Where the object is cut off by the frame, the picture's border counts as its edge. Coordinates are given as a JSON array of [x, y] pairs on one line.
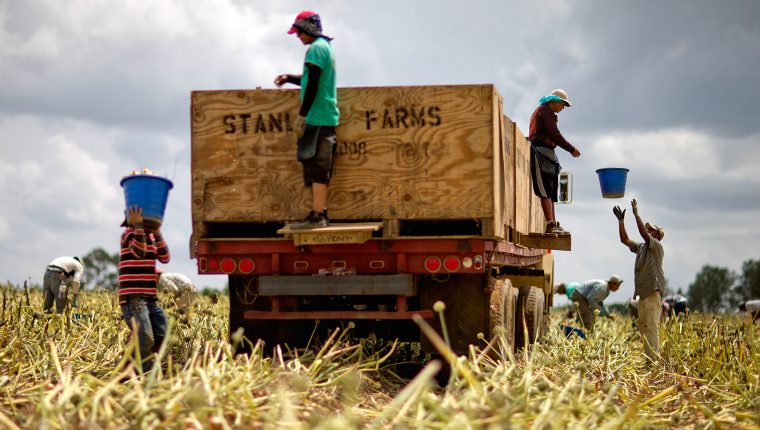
[[612, 181], [150, 193], [570, 331]]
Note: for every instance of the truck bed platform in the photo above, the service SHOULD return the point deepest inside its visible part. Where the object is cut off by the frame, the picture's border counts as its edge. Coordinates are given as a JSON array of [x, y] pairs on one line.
[[357, 232]]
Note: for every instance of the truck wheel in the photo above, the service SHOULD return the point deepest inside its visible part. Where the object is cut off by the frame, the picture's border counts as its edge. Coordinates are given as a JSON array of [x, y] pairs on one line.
[[502, 313], [466, 312], [529, 316]]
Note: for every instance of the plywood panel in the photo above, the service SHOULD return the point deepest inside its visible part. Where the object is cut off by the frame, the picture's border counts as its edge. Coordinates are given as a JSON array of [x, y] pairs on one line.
[[523, 186], [403, 152], [508, 167]]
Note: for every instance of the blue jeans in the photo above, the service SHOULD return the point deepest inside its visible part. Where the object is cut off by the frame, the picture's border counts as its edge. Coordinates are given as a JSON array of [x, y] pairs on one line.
[[148, 321]]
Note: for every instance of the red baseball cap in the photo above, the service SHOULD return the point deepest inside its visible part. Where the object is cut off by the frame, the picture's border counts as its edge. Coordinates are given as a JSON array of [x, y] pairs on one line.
[[303, 15]]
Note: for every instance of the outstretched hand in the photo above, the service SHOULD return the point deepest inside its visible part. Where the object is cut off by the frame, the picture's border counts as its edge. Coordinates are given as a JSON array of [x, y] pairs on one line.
[[635, 207], [619, 214]]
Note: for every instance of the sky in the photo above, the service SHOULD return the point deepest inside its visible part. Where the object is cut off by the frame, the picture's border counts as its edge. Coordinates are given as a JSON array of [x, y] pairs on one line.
[[92, 89]]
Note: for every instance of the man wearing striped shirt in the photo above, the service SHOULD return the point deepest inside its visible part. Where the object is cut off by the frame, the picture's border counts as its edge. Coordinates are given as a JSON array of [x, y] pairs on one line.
[[138, 294]]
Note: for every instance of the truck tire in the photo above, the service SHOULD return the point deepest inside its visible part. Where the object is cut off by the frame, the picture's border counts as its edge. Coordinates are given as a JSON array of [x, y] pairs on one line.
[[529, 316], [502, 313], [466, 313]]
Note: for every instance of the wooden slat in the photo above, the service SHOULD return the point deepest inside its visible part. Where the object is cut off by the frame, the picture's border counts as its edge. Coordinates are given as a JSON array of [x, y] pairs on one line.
[[545, 241], [332, 234], [508, 166]]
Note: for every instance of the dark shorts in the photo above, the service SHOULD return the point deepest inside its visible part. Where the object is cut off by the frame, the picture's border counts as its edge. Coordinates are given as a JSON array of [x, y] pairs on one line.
[[544, 184], [319, 167], [679, 308]]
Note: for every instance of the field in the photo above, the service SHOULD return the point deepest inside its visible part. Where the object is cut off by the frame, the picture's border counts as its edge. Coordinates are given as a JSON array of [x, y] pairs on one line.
[[74, 372]]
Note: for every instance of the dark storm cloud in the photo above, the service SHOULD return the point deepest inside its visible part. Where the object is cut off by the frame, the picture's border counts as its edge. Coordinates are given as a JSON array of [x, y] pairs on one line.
[[668, 64]]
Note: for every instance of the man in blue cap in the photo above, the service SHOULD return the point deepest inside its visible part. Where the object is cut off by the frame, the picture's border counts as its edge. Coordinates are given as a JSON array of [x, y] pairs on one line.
[[318, 116]]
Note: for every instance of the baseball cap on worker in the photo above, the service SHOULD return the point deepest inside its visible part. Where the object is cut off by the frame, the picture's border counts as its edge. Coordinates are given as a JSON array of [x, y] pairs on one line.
[[615, 279], [656, 227], [308, 22], [562, 95]]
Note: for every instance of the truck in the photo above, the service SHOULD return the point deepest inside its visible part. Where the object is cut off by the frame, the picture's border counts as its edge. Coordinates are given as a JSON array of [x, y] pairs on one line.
[[430, 201]]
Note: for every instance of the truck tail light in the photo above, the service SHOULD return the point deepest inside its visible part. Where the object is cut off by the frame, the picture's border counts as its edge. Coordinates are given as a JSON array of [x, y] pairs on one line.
[[246, 265], [432, 264], [228, 265], [451, 263]]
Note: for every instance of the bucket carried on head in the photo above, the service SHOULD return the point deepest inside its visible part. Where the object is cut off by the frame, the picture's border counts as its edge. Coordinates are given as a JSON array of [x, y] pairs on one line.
[[612, 181], [150, 193]]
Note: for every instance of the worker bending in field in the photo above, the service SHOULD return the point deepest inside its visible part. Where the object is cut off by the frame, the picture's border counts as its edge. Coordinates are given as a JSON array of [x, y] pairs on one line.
[[179, 286], [677, 304], [633, 309], [648, 276], [590, 296], [544, 137], [141, 246], [751, 307], [60, 274], [318, 116]]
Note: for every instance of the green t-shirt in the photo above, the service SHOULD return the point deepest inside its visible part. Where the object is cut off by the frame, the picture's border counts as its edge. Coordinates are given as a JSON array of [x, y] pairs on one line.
[[570, 288], [324, 111]]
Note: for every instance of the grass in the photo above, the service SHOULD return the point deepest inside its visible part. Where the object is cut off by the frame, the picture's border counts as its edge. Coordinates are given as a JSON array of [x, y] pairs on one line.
[[66, 372]]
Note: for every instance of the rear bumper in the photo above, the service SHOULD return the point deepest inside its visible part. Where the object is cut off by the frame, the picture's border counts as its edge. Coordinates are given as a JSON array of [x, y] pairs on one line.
[[376, 256]]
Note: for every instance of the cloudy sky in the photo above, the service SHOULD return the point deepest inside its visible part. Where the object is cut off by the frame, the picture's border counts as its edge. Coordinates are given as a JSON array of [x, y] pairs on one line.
[[91, 89]]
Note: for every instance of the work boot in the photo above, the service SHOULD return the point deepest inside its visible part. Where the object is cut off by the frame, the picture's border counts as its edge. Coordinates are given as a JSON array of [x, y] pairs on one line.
[[312, 220], [553, 227]]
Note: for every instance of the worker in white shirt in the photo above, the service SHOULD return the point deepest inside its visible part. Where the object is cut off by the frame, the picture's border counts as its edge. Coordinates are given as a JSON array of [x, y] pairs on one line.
[[751, 307], [60, 274], [179, 286]]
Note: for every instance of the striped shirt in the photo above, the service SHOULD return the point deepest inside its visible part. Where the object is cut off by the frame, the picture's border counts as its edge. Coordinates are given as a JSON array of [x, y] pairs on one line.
[[137, 262]]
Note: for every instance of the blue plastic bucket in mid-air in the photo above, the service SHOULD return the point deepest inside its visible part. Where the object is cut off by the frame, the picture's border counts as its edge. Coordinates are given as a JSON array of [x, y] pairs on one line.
[[612, 181], [150, 193]]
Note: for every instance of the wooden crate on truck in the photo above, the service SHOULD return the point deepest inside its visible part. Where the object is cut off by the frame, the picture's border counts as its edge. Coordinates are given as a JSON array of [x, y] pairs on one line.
[[428, 160]]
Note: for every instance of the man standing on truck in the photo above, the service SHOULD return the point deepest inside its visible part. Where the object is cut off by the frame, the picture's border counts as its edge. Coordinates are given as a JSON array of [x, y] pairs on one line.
[[59, 275], [544, 166], [318, 116], [590, 296], [141, 246], [648, 275]]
